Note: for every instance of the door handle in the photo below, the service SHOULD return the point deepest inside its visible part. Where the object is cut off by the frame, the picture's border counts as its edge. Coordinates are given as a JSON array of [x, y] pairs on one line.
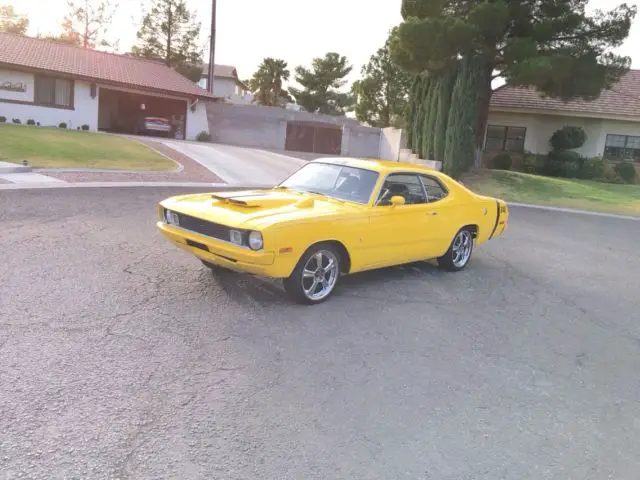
[[432, 213]]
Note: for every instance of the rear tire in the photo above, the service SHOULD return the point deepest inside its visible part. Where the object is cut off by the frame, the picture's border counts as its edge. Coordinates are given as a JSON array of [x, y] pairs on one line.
[[316, 275], [459, 253]]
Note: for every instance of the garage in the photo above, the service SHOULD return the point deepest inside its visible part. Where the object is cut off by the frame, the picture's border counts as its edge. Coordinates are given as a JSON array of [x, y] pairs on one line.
[[125, 111]]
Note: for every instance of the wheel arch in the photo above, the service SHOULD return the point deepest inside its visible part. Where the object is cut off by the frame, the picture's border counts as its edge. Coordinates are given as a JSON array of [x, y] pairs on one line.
[[475, 229], [345, 256]]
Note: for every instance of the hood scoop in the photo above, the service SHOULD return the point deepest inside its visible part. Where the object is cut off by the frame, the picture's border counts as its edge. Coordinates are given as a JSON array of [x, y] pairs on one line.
[[306, 203], [233, 201], [255, 199]]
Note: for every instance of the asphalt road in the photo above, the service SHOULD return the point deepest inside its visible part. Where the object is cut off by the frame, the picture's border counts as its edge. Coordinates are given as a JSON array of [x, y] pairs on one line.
[[121, 357]]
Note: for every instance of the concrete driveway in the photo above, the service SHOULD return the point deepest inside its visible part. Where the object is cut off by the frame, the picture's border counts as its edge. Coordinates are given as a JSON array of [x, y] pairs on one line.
[[121, 357], [240, 164]]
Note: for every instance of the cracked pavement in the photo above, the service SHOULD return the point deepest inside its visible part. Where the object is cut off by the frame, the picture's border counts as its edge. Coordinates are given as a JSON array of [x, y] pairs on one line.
[[123, 358]]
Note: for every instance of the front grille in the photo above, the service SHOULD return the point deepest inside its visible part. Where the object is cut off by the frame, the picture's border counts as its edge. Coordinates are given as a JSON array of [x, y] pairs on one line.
[[210, 229]]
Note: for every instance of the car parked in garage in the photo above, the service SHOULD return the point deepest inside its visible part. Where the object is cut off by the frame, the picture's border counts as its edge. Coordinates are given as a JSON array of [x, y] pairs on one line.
[[155, 126]]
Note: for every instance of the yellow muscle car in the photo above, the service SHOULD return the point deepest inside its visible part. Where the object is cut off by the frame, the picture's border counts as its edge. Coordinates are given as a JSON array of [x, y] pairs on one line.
[[334, 217]]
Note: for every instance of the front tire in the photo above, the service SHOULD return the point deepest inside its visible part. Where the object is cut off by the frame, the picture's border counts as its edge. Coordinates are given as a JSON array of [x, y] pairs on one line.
[[315, 276], [459, 253]]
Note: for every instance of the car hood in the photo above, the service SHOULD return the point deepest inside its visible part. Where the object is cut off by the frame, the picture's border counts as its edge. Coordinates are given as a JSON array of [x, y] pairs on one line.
[[256, 209]]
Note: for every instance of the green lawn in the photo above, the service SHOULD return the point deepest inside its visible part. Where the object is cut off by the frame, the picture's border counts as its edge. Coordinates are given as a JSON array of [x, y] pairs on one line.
[[59, 148], [537, 190]]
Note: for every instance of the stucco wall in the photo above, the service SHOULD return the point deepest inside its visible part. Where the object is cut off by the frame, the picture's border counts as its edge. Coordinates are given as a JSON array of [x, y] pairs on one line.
[[247, 126], [540, 128], [224, 87], [360, 141], [266, 127], [197, 121], [85, 108], [392, 140]]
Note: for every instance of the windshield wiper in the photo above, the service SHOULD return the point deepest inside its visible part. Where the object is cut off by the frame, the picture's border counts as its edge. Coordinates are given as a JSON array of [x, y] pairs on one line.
[[312, 192]]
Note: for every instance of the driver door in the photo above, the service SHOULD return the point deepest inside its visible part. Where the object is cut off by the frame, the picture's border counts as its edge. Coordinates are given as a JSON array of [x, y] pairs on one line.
[[399, 234]]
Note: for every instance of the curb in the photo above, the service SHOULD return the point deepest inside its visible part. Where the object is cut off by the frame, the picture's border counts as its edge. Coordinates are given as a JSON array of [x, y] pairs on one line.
[[574, 211], [215, 186], [7, 167]]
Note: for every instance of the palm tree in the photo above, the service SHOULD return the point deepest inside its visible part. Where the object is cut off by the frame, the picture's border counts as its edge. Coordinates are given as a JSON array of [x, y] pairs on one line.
[[267, 83]]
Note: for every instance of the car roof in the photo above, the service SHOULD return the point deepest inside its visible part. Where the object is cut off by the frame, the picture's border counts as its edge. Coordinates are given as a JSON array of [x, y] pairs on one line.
[[381, 166]]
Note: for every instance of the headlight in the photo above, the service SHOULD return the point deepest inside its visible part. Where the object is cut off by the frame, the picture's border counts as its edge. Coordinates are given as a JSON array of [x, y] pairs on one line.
[[172, 218], [235, 236], [255, 241]]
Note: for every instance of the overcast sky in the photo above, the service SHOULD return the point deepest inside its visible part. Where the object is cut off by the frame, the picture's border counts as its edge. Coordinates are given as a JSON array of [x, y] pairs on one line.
[[249, 30]]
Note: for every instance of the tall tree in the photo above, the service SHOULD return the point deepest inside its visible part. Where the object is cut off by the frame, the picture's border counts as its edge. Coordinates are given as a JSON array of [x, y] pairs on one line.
[[321, 85], [89, 20], [170, 32], [463, 115], [267, 83], [12, 22], [381, 94], [554, 46]]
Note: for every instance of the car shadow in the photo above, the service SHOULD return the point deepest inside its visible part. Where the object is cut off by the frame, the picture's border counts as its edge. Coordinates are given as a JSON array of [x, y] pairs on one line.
[[242, 287]]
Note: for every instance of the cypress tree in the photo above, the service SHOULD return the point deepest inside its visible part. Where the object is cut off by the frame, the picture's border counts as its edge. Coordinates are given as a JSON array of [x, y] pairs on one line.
[[442, 114], [426, 115], [430, 122], [418, 127], [463, 118], [411, 111]]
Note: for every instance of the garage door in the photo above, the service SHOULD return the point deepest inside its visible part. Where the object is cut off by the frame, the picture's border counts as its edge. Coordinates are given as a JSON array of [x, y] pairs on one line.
[[314, 138]]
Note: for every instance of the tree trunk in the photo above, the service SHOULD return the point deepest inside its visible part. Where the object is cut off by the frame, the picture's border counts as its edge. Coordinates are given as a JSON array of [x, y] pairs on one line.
[[86, 31], [484, 99]]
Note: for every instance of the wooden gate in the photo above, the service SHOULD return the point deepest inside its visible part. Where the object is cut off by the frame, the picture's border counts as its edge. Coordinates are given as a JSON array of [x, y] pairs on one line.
[[314, 138]]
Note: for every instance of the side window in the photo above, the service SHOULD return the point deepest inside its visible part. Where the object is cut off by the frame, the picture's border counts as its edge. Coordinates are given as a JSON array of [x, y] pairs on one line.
[[403, 185], [435, 190]]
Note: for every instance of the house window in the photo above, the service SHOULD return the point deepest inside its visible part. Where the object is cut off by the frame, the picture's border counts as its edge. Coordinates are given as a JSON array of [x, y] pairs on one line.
[[54, 92], [508, 139], [622, 147]]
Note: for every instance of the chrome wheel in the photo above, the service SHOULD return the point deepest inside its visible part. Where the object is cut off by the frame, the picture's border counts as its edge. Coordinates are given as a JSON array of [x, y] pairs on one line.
[[319, 275], [461, 248]]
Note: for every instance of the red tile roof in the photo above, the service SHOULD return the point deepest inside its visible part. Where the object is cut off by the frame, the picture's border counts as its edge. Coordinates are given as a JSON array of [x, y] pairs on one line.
[[102, 67], [623, 100]]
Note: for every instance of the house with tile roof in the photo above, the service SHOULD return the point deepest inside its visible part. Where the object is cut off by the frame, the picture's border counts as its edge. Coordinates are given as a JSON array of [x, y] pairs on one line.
[[521, 120], [51, 82]]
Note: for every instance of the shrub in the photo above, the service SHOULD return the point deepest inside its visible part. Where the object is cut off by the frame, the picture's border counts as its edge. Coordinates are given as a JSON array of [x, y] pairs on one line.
[[626, 171], [17, 121], [534, 163], [62, 125], [568, 138], [502, 161], [3, 119], [31, 121], [203, 137], [610, 175], [85, 127], [591, 168], [563, 163]]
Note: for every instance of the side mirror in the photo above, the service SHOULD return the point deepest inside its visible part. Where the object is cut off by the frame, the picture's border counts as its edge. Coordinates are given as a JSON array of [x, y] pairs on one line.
[[397, 201]]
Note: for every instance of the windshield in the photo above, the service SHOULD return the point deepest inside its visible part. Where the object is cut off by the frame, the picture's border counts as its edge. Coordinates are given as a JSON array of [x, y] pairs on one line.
[[339, 181]]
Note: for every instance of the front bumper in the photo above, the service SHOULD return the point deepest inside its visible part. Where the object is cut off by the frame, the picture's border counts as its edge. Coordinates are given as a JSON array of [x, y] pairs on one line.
[[224, 254]]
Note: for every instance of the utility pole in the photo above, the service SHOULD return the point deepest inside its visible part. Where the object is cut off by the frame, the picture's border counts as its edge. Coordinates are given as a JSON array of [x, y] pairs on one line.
[[212, 47]]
